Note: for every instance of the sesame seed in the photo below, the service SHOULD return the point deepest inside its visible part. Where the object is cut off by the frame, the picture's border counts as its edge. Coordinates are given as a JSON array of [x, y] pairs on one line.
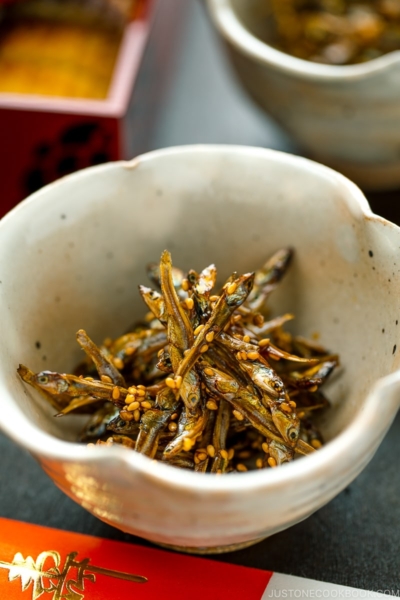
[[198, 329], [265, 447], [223, 454], [141, 393], [172, 426], [126, 416], [211, 450], [253, 355], [186, 352], [210, 336], [259, 463], [133, 406], [187, 444], [130, 350], [89, 378], [132, 390], [185, 285], [214, 298], [204, 348], [116, 393], [316, 444], [178, 381], [313, 388], [196, 459], [243, 355], [130, 398], [136, 415], [239, 355], [118, 363], [208, 371], [264, 342], [106, 379], [231, 289], [174, 416], [189, 303], [238, 415], [170, 382], [141, 387], [284, 406], [202, 455], [301, 414], [272, 462], [211, 405], [149, 317], [146, 404], [241, 467], [292, 403], [160, 353], [246, 338], [231, 453]]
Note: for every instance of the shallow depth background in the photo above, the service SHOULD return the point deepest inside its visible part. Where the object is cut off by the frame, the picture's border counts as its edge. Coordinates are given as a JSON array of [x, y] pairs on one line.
[[355, 539]]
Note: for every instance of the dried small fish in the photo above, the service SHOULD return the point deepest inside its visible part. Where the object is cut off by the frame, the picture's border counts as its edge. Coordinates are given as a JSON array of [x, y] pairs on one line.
[[204, 382]]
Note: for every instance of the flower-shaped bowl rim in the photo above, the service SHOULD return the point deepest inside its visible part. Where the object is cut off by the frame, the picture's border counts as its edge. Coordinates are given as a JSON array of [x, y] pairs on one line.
[[355, 435]]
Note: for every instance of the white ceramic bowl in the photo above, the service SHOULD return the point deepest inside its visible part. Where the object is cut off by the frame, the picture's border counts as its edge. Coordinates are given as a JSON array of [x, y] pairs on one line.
[[72, 256], [347, 117]]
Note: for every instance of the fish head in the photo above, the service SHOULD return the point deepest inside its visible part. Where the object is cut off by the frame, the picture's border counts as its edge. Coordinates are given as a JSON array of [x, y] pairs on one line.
[[51, 382], [275, 268], [270, 382], [149, 292], [287, 425], [239, 289]]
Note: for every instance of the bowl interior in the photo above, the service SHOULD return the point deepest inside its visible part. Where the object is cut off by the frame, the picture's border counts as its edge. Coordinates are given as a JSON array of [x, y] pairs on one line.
[[255, 16], [73, 255]]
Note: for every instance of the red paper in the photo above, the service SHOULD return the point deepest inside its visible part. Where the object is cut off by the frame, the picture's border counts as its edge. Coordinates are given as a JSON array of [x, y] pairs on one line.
[[81, 567]]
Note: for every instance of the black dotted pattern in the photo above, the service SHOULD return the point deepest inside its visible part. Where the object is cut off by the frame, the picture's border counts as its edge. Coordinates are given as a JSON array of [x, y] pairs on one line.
[[79, 146]]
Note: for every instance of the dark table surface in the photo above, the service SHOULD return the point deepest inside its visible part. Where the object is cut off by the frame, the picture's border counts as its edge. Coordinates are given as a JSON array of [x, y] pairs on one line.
[[355, 539]]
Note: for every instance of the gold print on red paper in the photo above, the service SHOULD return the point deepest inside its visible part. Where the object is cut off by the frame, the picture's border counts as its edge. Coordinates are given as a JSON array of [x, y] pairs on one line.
[[67, 582]]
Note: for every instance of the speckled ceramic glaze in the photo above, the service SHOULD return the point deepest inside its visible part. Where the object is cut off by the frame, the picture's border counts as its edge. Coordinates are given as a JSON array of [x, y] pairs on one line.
[[345, 116], [73, 255]]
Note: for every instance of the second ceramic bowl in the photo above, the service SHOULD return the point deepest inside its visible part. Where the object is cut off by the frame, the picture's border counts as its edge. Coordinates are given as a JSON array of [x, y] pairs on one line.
[[72, 256], [347, 117]]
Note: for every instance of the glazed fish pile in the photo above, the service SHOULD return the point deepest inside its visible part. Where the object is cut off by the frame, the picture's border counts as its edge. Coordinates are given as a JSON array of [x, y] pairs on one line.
[[205, 382], [337, 32]]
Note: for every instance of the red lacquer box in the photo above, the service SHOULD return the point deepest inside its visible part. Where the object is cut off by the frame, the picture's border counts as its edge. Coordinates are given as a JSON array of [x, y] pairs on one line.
[[44, 138]]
